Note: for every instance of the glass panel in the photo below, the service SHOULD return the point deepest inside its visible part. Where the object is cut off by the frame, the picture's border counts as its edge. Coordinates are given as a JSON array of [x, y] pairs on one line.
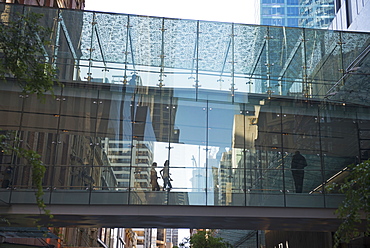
[[49, 20], [267, 179], [244, 50], [258, 74], [180, 39], [142, 154], [76, 145], [110, 37], [214, 54], [21, 184], [290, 78], [353, 89], [313, 55], [117, 160], [109, 197], [224, 147], [353, 46], [187, 154], [70, 197], [342, 143], [42, 115], [345, 130], [325, 64], [11, 100], [138, 50], [340, 140], [79, 110], [245, 132], [39, 123], [301, 148], [301, 139], [220, 155], [363, 128], [67, 28], [276, 38]]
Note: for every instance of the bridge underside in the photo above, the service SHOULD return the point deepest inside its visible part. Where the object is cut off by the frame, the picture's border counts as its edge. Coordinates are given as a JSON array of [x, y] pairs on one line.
[[247, 218]]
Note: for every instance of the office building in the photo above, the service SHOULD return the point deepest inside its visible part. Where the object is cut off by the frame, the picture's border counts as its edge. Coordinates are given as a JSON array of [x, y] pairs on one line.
[[351, 15], [172, 237], [297, 13]]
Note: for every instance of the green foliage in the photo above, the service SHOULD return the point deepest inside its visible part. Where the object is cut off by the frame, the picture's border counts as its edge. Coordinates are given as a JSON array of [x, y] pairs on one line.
[[22, 53], [356, 189], [205, 239], [9, 144], [23, 45]]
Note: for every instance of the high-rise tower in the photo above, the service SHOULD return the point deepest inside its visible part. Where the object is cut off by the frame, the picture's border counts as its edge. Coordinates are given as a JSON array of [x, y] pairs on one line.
[[297, 13]]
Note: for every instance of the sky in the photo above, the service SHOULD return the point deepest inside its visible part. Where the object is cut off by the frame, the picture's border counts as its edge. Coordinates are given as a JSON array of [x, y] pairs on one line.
[[237, 11]]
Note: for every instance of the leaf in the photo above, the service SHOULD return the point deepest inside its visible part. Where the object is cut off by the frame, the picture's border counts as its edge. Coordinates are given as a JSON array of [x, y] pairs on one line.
[[22, 44], [356, 189]]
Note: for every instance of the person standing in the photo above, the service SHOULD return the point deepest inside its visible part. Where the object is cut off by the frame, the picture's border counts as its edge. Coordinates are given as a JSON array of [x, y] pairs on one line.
[[154, 178], [297, 166], [165, 173], [7, 177]]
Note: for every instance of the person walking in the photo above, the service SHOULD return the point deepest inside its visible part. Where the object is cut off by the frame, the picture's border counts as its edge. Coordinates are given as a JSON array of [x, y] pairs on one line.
[[165, 174], [297, 166], [154, 178]]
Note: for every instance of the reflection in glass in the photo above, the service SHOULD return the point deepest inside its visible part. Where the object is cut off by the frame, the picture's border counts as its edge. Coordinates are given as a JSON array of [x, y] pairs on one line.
[[227, 105]]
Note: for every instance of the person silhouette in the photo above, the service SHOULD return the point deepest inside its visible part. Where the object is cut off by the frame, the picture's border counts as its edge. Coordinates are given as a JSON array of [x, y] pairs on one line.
[[297, 166], [154, 178], [165, 173], [7, 177]]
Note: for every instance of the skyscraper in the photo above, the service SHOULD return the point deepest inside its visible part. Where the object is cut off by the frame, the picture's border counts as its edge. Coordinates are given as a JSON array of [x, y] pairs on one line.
[[351, 15], [297, 13], [172, 236]]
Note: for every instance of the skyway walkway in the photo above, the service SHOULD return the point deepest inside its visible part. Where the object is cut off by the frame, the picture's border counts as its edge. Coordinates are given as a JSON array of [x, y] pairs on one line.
[[227, 105]]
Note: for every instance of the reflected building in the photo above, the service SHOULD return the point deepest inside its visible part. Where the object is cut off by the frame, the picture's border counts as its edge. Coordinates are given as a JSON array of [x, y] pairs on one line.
[[198, 183], [172, 237], [309, 94], [203, 180], [225, 181], [146, 120], [150, 237], [128, 156], [68, 237], [77, 162]]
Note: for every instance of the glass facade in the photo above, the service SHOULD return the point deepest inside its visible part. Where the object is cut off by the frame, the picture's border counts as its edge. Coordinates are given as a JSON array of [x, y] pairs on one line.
[[227, 105], [297, 13]]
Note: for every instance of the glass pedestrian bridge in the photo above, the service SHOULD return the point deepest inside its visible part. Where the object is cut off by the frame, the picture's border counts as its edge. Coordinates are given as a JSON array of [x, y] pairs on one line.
[[227, 105]]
